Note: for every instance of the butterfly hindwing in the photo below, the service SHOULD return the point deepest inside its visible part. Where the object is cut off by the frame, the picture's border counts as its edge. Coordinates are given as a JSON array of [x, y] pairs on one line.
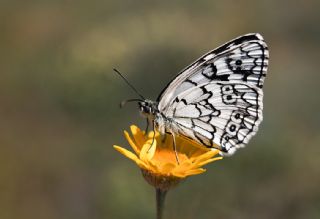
[[218, 115]]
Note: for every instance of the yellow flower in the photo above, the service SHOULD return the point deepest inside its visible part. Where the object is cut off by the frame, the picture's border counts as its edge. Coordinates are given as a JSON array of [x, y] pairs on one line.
[[158, 161]]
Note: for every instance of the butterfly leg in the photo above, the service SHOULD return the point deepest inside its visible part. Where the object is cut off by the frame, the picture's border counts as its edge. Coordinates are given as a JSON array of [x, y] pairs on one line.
[[154, 135], [146, 133], [175, 147]]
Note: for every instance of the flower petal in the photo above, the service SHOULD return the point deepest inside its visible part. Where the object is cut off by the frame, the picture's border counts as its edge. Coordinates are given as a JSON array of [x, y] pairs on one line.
[[204, 156], [202, 163], [135, 147], [126, 153], [148, 150], [186, 165], [130, 155], [195, 171], [152, 166], [153, 134], [138, 135], [179, 174]]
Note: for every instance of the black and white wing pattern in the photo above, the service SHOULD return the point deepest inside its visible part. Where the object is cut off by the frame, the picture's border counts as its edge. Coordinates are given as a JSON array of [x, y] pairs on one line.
[[217, 100]]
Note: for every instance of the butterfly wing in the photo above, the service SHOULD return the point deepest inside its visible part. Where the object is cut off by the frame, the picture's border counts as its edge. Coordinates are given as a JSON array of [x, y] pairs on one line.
[[217, 100]]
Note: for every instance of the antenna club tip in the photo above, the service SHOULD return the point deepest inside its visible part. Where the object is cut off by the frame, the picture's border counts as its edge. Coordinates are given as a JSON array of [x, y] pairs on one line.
[[122, 104]]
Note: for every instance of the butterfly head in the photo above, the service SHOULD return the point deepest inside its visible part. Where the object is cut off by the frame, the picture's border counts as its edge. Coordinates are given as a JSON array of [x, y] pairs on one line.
[[148, 108]]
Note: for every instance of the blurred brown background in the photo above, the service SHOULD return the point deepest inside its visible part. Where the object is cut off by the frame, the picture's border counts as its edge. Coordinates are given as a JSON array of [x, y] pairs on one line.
[[60, 116]]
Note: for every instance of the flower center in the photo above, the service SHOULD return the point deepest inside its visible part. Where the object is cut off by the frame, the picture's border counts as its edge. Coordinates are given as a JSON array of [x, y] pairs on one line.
[[168, 156]]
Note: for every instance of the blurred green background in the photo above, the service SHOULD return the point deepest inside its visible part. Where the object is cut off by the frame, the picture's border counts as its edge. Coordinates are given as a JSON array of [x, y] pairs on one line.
[[60, 116]]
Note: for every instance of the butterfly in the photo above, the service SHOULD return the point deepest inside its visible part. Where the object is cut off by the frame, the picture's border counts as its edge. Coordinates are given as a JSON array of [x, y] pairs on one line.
[[216, 101]]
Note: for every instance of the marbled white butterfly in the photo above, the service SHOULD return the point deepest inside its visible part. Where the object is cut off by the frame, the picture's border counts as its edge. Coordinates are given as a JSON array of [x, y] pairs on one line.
[[217, 100]]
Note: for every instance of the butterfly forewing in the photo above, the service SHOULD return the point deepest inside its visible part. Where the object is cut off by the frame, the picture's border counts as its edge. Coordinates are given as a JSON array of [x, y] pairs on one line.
[[217, 100], [244, 59]]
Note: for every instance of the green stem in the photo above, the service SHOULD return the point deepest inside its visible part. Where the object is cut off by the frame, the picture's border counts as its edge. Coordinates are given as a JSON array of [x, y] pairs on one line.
[[160, 196]]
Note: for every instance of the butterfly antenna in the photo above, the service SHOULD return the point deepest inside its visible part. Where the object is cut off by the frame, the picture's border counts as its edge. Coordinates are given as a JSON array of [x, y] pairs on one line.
[[127, 101], [130, 85]]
